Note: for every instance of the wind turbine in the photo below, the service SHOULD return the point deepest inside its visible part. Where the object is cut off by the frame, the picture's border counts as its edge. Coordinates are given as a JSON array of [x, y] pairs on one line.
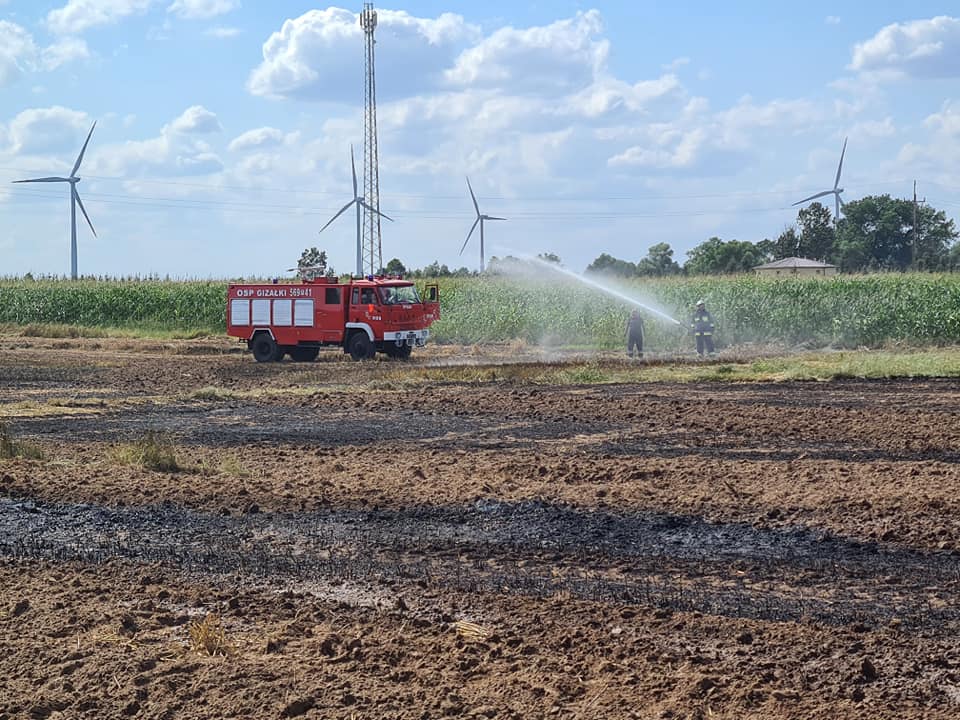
[[480, 219], [361, 203], [836, 189], [73, 179]]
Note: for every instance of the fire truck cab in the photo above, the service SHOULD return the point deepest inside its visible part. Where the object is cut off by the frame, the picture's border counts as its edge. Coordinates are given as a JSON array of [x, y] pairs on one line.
[[363, 316]]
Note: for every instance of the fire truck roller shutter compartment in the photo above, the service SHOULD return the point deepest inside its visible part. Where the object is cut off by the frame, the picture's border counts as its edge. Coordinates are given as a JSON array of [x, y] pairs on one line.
[[261, 312], [283, 313], [303, 313], [239, 312]]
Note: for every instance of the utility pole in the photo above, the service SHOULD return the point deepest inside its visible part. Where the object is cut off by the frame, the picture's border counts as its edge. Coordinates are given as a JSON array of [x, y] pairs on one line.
[[913, 249], [372, 252]]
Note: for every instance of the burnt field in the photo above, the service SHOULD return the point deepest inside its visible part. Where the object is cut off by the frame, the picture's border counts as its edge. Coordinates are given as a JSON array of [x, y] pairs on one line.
[[416, 540]]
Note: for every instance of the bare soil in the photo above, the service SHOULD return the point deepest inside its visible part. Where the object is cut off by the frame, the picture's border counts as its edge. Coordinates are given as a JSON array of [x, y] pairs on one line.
[[379, 540]]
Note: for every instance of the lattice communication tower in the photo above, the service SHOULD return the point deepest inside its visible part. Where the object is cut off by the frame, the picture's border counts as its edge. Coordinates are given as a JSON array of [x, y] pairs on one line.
[[372, 252]]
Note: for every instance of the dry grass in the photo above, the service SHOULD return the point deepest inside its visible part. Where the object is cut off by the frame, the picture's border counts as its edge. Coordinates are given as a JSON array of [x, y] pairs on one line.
[[207, 637], [213, 394], [155, 451], [11, 448], [472, 631]]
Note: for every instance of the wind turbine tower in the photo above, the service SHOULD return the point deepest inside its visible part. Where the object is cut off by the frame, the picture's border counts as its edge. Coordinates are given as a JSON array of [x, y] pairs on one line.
[[372, 252], [75, 200], [481, 218], [361, 207]]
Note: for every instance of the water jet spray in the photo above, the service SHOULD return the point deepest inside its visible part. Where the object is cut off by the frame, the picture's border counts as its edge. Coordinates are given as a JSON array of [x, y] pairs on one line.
[[600, 286]]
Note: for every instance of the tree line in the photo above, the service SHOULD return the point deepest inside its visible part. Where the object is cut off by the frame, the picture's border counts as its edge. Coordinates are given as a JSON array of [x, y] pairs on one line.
[[876, 233]]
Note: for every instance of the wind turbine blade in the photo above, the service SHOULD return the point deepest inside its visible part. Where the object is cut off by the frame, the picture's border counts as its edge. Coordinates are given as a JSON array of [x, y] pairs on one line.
[[374, 210], [353, 168], [814, 197], [45, 179], [469, 234], [491, 217], [342, 211], [76, 165], [836, 182], [474, 197], [76, 197]]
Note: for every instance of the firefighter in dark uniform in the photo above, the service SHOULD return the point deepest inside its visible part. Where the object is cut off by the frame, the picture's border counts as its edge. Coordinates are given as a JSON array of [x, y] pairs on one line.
[[635, 334], [702, 327]]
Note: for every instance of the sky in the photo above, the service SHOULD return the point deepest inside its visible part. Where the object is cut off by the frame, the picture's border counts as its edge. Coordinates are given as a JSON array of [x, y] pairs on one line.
[[224, 127]]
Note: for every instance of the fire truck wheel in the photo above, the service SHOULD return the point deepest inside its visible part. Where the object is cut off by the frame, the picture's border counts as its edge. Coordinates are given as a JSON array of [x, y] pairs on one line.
[[264, 348], [361, 348], [304, 354]]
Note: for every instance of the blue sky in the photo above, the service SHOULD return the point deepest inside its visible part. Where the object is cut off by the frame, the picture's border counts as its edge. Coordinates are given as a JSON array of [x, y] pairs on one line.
[[224, 126]]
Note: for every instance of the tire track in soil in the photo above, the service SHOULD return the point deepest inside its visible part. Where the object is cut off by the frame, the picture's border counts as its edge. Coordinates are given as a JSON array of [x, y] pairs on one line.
[[533, 549]]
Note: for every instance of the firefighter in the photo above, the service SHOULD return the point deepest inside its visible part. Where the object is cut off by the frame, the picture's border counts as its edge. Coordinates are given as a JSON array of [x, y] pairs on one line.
[[635, 334], [702, 327]]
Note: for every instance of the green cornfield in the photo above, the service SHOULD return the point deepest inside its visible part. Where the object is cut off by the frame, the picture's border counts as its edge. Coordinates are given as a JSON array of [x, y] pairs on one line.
[[847, 311]]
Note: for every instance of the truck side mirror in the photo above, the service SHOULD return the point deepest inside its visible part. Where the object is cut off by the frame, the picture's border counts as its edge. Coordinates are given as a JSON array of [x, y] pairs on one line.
[[433, 293]]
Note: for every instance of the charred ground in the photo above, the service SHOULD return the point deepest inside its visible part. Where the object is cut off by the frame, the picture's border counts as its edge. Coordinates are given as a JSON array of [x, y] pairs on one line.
[[626, 550]]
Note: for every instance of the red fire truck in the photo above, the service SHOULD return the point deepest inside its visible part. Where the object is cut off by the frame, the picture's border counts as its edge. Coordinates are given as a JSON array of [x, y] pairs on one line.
[[363, 316]]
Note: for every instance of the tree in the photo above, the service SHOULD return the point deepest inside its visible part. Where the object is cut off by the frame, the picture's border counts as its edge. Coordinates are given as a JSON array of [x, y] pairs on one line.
[[716, 257], [313, 263], [606, 264], [659, 262], [395, 267], [877, 233], [817, 235], [787, 245], [935, 236], [431, 270], [549, 257], [953, 259]]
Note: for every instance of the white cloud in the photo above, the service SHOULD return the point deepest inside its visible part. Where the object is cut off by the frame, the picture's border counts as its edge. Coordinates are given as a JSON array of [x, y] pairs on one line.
[[173, 153], [222, 32], [64, 51], [608, 94], [784, 115], [920, 48], [47, 130], [710, 142], [668, 148], [196, 119], [257, 138], [319, 55], [874, 128], [832, 20], [675, 64], [16, 52], [80, 15], [935, 156], [557, 58], [202, 9], [947, 121]]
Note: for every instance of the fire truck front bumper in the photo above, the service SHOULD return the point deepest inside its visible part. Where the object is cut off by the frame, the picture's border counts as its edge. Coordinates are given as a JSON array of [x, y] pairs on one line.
[[407, 337]]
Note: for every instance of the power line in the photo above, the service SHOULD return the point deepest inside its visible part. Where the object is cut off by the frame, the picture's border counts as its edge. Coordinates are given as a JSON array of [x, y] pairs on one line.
[[36, 197], [461, 198]]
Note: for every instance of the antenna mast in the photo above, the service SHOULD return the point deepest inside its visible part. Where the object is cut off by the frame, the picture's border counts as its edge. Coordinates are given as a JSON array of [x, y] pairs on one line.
[[372, 253]]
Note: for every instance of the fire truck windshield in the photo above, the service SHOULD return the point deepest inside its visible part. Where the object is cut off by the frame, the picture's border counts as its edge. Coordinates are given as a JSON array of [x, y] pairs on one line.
[[399, 295]]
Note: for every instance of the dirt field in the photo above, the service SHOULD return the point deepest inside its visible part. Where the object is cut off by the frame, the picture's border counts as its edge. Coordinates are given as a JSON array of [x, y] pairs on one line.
[[406, 540]]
